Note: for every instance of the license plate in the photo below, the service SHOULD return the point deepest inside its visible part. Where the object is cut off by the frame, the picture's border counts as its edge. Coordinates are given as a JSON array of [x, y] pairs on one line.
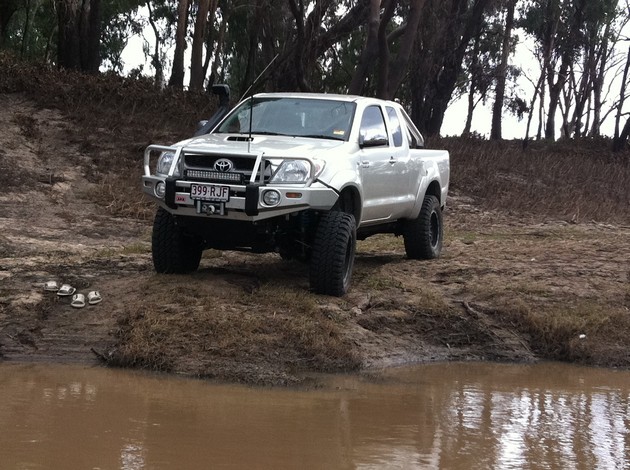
[[210, 192]]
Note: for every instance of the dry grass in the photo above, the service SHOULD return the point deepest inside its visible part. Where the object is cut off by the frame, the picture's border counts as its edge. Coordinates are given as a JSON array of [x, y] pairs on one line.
[[275, 328], [574, 181], [588, 332]]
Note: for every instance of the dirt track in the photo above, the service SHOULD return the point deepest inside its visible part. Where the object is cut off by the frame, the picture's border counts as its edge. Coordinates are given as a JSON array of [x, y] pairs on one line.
[[498, 274]]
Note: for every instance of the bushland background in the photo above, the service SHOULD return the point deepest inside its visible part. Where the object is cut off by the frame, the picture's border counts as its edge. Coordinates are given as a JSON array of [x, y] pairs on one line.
[[558, 66]]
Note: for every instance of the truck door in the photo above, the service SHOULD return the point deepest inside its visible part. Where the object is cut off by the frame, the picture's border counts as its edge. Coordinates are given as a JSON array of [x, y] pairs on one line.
[[377, 173], [400, 162]]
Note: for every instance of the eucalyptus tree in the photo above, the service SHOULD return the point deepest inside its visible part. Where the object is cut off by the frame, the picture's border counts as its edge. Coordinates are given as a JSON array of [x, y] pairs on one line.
[[317, 26], [575, 41], [599, 35], [198, 42], [28, 27], [444, 35], [70, 33], [302, 35], [8, 8], [477, 73], [620, 139], [78, 34], [177, 72], [384, 34], [120, 22], [502, 70]]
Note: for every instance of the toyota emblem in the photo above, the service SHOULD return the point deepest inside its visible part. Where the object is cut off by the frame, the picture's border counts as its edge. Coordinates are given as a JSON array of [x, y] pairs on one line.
[[223, 164]]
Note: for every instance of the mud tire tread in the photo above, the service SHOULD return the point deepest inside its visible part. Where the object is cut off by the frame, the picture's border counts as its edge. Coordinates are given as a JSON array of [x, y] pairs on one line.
[[173, 250], [418, 233], [331, 263]]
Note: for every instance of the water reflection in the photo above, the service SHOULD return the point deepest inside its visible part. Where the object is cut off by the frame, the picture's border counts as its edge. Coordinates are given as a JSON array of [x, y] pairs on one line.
[[442, 416]]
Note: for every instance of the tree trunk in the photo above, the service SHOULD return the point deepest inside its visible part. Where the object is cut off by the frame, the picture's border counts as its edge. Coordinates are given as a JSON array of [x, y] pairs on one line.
[[68, 39], [25, 30], [7, 10], [555, 89], [94, 37], [199, 39], [620, 142], [622, 95], [620, 139], [457, 37], [370, 50], [209, 38], [497, 109], [156, 60], [537, 90], [299, 55], [398, 67], [217, 52], [177, 74], [474, 65], [79, 34]]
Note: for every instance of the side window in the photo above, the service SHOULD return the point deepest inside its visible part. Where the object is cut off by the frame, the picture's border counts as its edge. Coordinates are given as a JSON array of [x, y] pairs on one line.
[[373, 125], [394, 124]]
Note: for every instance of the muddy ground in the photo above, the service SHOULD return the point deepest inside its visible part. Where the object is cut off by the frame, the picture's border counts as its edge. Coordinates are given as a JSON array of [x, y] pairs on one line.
[[508, 287]]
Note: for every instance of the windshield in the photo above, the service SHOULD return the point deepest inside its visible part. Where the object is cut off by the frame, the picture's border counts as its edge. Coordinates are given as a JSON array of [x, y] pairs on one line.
[[302, 117]]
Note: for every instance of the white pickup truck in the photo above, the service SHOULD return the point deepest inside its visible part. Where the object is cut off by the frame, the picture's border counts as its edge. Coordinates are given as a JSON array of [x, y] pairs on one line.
[[301, 174]]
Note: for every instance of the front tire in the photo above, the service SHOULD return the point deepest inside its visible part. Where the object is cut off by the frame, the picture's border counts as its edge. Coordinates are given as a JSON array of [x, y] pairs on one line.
[[424, 235], [174, 250], [333, 254]]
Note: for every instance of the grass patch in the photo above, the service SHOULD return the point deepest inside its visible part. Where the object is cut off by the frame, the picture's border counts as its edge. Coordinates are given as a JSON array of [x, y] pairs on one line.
[[381, 243], [380, 282], [575, 181], [136, 249], [273, 327], [588, 332]]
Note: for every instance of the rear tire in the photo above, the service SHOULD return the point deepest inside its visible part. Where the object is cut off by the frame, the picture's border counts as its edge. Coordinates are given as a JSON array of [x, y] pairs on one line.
[[333, 254], [174, 250], [424, 235]]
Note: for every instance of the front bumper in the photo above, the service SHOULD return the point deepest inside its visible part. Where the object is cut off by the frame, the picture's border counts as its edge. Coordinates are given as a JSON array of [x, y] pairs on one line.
[[245, 203]]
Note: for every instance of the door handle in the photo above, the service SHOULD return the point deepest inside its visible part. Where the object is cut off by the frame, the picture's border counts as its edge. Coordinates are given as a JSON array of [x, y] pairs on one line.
[[365, 164], [392, 160]]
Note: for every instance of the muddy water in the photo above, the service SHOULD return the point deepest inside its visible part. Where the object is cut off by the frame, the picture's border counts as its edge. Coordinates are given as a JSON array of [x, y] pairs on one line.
[[443, 416]]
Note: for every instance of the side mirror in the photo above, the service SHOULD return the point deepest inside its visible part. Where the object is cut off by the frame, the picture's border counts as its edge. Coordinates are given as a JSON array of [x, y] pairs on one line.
[[200, 125], [372, 138]]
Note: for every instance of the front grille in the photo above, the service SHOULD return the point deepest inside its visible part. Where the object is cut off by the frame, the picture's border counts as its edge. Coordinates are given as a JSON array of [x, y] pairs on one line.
[[202, 167]]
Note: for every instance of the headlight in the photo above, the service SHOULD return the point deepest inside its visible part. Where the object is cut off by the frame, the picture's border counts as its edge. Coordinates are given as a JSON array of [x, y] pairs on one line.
[[297, 171], [164, 164]]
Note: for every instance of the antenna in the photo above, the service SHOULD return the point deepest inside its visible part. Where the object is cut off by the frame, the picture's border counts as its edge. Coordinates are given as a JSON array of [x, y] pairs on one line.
[[251, 115], [258, 77], [251, 101]]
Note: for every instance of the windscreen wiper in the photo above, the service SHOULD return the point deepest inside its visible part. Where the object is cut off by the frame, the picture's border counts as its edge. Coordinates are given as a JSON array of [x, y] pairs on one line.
[[322, 136]]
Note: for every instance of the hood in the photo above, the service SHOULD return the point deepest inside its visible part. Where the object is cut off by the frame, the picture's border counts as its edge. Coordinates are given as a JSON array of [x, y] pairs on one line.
[[271, 146]]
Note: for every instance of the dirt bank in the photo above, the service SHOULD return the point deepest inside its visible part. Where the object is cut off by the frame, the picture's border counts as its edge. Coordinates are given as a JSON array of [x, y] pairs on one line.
[[508, 287]]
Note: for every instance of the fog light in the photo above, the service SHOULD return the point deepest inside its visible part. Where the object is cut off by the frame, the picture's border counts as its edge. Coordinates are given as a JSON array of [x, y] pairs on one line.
[[271, 197], [160, 190]]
